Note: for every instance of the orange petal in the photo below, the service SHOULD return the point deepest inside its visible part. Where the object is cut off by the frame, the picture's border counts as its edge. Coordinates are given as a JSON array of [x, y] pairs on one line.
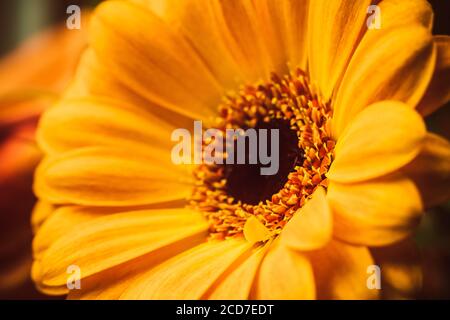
[[334, 28], [93, 79], [101, 243], [296, 42], [311, 226], [376, 212], [42, 210], [255, 231], [195, 17], [340, 272], [108, 177], [243, 41], [153, 60], [396, 13], [90, 122], [237, 284], [381, 139], [284, 274], [242, 31], [283, 26], [48, 290], [162, 8], [241, 23], [190, 274], [61, 221], [112, 283], [438, 92], [411, 57], [431, 170]]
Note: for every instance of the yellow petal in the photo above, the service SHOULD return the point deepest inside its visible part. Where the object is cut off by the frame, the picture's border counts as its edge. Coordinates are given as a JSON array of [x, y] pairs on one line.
[[334, 29], [296, 42], [284, 274], [241, 41], [41, 211], [162, 8], [112, 283], [438, 92], [62, 221], [255, 231], [431, 170], [108, 177], [188, 275], [48, 290], [283, 25], [340, 272], [86, 122], [389, 64], [98, 244], [93, 79], [381, 139], [395, 13], [376, 212], [311, 226], [401, 271], [237, 284], [194, 18], [254, 51], [153, 60]]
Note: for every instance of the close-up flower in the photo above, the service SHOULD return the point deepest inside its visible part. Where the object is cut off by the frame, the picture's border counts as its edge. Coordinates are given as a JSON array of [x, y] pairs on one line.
[[357, 165]]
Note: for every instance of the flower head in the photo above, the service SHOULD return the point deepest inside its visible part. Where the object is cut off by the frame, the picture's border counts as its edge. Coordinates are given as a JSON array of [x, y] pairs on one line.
[[355, 153]]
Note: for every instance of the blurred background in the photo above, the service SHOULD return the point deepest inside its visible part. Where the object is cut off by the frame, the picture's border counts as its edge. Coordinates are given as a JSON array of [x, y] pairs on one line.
[[38, 56], [37, 53], [22, 18]]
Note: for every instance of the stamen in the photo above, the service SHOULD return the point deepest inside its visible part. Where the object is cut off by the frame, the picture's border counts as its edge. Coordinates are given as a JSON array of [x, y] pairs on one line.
[[290, 100]]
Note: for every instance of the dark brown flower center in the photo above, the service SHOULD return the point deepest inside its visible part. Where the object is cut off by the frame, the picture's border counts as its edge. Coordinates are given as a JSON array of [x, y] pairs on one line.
[[245, 182]]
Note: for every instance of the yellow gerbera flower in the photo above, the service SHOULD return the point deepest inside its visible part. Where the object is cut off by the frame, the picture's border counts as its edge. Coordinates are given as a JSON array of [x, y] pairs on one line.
[[358, 162]]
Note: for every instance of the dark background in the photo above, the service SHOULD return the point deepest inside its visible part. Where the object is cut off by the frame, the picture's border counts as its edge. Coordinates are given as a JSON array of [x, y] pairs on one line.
[[21, 18]]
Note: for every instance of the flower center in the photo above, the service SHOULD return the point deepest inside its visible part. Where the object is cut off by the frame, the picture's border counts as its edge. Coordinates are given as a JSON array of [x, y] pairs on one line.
[[246, 183], [228, 194]]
